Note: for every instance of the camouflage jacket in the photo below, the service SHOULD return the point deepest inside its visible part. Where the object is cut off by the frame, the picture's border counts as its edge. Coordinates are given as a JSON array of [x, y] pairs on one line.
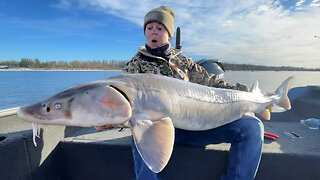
[[176, 65]]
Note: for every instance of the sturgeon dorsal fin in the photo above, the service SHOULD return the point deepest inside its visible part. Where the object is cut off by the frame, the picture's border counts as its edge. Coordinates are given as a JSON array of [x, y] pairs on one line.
[[154, 141], [255, 87]]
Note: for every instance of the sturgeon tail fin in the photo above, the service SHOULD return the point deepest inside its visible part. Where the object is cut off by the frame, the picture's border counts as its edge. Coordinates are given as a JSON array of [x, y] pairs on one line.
[[282, 92]]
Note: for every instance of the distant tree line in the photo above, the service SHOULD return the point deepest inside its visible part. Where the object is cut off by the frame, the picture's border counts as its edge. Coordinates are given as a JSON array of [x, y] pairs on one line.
[[37, 64], [113, 65], [250, 67]]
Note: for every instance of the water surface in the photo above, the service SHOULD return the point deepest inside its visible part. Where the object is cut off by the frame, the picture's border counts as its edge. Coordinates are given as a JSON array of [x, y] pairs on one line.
[[19, 88]]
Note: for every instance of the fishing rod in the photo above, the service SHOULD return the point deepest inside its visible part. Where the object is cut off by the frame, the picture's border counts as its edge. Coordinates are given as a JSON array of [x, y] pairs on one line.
[[178, 38], [213, 66]]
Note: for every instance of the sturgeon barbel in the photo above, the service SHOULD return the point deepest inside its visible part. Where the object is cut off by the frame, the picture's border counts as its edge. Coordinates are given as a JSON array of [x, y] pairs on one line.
[[151, 106]]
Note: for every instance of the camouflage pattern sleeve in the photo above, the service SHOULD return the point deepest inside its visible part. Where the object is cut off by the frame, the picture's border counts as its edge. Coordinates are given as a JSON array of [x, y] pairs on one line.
[[132, 66], [197, 74]]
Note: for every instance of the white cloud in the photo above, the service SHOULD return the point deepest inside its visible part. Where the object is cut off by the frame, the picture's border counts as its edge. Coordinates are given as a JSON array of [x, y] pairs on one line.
[[299, 3], [315, 3], [255, 32]]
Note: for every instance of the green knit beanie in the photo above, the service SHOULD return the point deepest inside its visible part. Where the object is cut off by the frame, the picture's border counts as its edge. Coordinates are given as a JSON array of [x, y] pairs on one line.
[[163, 15]]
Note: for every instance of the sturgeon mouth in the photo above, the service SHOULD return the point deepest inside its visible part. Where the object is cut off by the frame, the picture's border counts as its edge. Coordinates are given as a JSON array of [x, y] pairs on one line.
[[35, 126]]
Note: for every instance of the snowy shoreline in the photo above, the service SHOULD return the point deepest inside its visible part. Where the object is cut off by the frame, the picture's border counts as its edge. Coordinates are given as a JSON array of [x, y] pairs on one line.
[[28, 69]]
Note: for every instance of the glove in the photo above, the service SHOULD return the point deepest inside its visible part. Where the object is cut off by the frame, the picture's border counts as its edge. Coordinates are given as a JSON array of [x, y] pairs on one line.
[[240, 87]]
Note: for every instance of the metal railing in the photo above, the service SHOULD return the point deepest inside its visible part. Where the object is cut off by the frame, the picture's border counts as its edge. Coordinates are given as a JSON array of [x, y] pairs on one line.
[[8, 112]]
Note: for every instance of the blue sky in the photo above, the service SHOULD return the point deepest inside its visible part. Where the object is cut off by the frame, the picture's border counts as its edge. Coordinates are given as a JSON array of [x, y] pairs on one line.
[[264, 32]]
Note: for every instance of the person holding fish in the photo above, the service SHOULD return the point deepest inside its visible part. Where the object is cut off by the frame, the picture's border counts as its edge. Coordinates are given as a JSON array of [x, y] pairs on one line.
[[158, 57]]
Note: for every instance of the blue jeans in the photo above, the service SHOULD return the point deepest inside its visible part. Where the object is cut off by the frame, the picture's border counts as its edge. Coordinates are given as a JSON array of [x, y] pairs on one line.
[[245, 136]]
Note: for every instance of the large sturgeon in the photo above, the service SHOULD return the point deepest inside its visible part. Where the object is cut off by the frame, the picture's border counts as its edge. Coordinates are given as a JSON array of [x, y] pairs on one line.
[[151, 106]]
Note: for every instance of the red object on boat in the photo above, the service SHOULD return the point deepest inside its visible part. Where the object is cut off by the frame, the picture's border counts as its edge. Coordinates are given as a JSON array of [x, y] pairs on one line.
[[271, 136]]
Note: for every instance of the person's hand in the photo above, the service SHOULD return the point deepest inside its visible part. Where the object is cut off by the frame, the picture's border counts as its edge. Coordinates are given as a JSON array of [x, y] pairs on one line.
[[100, 128], [266, 112], [270, 107], [241, 87]]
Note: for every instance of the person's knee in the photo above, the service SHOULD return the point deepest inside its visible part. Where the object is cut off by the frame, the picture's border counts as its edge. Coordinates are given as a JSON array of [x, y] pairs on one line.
[[251, 129], [255, 129]]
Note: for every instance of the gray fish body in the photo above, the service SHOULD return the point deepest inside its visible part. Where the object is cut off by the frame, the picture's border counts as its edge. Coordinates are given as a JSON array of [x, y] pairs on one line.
[[189, 105], [151, 106]]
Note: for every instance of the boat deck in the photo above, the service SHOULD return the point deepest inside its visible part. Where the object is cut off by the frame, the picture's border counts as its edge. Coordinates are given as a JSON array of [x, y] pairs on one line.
[[83, 153]]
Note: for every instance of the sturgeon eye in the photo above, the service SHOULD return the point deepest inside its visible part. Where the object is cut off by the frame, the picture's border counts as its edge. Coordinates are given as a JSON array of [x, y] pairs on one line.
[[58, 106]]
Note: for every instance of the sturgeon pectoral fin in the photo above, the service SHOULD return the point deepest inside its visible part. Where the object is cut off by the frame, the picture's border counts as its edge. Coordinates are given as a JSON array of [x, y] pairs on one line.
[[154, 141]]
